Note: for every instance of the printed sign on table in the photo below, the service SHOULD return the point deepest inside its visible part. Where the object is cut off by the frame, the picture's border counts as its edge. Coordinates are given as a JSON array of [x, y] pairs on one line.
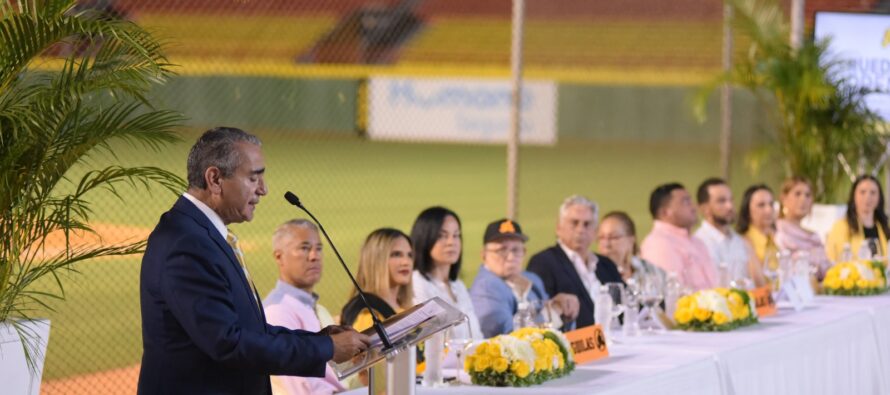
[[763, 301], [588, 343]]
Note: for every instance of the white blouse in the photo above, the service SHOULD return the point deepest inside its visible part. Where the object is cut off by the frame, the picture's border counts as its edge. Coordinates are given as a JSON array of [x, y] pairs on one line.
[[427, 289]]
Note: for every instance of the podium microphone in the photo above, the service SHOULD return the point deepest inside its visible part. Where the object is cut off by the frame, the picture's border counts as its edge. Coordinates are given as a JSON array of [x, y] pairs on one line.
[[378, 327]]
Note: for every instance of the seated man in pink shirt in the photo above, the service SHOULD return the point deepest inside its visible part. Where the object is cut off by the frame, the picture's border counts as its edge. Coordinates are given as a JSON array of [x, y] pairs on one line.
[[296, 248], [670, 244]]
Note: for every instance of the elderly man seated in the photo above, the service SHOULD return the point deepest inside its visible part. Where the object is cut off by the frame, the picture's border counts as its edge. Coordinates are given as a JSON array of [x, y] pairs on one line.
[[569, 266], [501, 287]]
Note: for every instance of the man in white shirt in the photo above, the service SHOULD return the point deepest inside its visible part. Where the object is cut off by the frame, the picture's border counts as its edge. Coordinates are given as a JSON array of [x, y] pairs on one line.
[[726, 247]]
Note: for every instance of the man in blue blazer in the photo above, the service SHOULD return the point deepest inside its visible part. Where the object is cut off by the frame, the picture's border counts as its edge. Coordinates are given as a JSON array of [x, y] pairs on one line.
[[203, 327], [570, 266], [501, 287]]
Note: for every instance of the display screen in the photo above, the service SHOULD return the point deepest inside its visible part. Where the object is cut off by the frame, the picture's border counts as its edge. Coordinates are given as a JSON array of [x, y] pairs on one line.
[[862, 42]]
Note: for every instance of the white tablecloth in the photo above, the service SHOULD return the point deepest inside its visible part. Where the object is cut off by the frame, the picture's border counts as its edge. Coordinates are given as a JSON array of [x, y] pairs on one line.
[[837, 346]]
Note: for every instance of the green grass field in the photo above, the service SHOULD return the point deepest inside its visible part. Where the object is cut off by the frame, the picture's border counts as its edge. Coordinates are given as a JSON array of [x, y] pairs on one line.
[[355, 186]]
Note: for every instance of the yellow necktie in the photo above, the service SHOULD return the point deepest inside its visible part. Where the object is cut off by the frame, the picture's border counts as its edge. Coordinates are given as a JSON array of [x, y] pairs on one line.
[[233, 242]]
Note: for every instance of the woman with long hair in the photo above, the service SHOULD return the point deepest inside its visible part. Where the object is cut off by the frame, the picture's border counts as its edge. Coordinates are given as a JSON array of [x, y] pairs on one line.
[[437, 261], [757, 223], [384, 273], [864, 229]]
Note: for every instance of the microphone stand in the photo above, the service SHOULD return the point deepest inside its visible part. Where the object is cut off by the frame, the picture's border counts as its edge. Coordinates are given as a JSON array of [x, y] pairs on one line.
[[378, 326]]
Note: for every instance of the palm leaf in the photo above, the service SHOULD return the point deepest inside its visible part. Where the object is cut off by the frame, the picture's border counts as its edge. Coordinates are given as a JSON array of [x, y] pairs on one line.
[[813, 113], [53, 121]]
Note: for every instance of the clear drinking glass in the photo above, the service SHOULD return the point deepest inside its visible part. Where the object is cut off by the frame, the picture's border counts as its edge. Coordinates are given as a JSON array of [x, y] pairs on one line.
[[616, 291], [771, 272], [651, 294], [602, 311], [631, 326], [458, 344]]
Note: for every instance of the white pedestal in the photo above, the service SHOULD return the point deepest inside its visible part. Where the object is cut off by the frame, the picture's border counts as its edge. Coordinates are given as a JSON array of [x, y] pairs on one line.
[[15, 374], [399, 378], [401, 371]]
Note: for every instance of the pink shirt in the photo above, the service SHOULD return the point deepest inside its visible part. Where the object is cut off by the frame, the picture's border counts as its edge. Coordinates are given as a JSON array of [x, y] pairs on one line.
[[792, 237], [290, 307], [675, 251]]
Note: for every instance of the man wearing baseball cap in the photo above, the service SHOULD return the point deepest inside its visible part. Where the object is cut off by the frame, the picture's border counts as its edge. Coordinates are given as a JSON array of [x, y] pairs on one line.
[[501, 286]]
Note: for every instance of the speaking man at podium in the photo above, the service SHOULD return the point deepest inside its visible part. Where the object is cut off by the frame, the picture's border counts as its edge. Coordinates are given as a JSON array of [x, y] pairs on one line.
[[203, 326]]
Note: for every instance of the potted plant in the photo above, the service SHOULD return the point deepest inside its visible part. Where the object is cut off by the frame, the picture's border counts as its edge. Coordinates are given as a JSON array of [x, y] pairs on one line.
[[814, 114], [71, 81]]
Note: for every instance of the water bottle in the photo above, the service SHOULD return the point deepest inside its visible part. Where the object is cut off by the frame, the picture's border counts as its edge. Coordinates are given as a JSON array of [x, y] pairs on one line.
[[631, 325], [672, 290], [846, 253], [523, 317], [724, 274], [864, 251], [602, 310]]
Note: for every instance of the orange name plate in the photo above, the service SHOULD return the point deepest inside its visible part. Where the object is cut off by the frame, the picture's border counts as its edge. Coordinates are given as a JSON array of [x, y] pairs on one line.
[[588, 344], [763, 301]]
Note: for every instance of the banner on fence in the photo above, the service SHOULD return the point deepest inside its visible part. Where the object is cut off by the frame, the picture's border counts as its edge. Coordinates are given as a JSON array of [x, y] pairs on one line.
[[458, 110]]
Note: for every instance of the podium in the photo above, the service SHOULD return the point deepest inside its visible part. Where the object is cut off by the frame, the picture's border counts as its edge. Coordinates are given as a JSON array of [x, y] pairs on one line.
[[405, 331]]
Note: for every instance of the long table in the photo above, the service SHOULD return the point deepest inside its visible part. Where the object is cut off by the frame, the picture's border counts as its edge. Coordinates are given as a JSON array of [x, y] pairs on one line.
[[836, 346]]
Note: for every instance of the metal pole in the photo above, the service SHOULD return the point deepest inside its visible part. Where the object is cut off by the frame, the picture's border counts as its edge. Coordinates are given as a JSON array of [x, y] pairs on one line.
[[886, 178], [726, 97], [797, 23], [515, 111]]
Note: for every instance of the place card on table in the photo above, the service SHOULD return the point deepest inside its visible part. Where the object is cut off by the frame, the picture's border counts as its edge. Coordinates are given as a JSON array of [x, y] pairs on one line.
[[588, 343], [798, 291], [763, 301]]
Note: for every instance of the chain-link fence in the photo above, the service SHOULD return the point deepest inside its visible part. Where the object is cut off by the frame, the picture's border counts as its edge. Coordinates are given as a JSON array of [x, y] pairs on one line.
[[372, 111]]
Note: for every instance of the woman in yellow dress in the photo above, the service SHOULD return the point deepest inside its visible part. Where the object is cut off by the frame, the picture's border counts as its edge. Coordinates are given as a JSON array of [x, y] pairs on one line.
[[384, 273], [865, 225], [757, 223]]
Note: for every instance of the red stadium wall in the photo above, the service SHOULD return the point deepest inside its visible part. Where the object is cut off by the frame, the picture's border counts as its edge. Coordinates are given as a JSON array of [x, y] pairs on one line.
[[683, 9]]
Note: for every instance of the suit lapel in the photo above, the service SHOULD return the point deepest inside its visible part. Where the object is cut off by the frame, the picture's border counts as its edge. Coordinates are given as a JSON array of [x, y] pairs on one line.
[[188, 208], [569, 270]]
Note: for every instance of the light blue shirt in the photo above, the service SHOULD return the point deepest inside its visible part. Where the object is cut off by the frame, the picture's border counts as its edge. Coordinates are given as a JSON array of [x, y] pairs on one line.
[[495, 303]]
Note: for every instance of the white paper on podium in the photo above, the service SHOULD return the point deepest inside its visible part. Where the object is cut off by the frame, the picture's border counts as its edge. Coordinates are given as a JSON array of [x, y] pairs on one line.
[[405, 329], [401, 327]]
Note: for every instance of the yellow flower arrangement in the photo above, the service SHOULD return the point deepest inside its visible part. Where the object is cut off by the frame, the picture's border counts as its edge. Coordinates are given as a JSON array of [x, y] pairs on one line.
[[522, 358], [719, 309], [855, 278]]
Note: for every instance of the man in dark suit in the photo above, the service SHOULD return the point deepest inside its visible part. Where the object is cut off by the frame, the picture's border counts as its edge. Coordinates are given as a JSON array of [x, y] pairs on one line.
[[569, 266], [203, 327]]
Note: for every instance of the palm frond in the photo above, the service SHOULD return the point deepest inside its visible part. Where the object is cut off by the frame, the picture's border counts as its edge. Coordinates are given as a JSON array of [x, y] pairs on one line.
[[814, 114], [54, 121]]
